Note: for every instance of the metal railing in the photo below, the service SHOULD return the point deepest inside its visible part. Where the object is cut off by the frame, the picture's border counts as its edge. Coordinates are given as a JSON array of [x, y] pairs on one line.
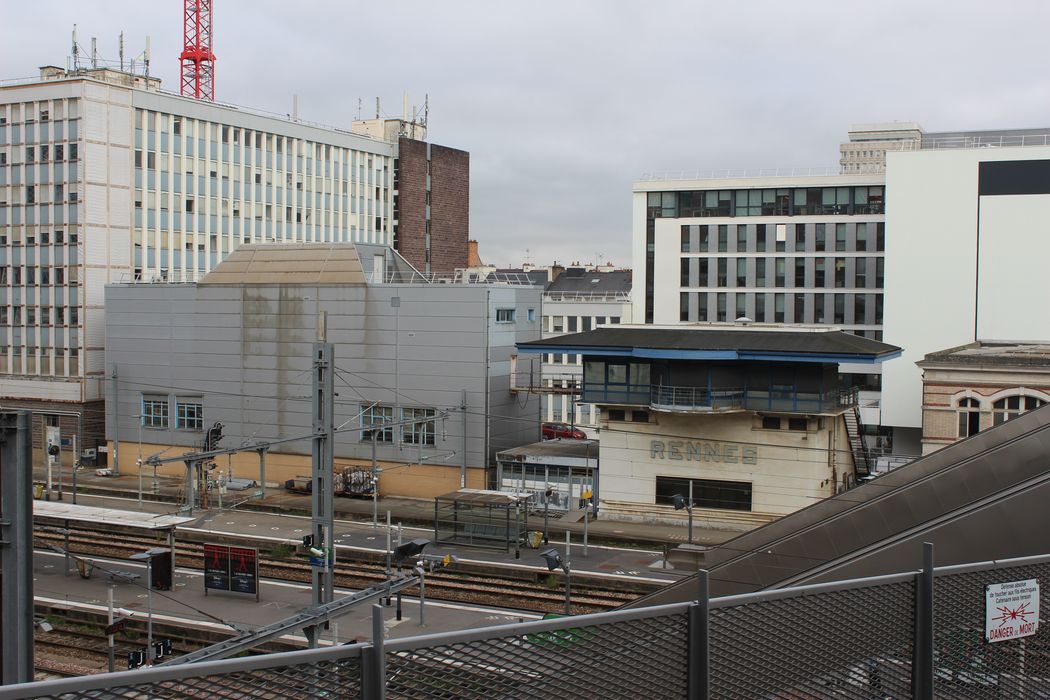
[[915, 634], [623, 297], [741, 173], [514, 279], [987, 141]]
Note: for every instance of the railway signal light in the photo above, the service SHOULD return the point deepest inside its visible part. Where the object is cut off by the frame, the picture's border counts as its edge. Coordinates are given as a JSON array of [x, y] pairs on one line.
[[136, 658], [409, 549], [162, 648]]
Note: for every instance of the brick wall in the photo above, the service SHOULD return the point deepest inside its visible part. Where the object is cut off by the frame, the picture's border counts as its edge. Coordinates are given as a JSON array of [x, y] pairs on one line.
[[449, 205]]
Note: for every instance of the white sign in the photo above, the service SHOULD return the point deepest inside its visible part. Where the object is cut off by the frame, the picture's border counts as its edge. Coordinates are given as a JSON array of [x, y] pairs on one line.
[[1011, 610]]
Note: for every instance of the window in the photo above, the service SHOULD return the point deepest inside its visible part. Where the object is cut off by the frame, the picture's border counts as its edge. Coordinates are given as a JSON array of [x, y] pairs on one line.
[[617, 414], [760, 238], [639, 416], [723, 272], [189, 413], [781, 233], [741, 238], [531, 315], [683, 306], [421, 432], [685, 238], [559, 324], [505, 315], [741, 272], [573, 323], [840, 272], [155, 411], [860, 272], [723, 238], [969, 417], [30, 157], [800, 237], [684, 272], [60, 152], [819, 238], [862, 238], [778, 269], [800, 272], [378, 415], [707, 493], [798, 424], [1012, 406], [704, 245], [840, 236]]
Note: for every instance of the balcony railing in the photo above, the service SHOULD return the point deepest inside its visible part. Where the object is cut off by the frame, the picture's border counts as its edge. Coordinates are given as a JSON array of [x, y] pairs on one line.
[[702, 399]]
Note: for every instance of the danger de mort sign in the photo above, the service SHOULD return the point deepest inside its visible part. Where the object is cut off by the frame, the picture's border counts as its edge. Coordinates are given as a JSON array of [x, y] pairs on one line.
[[1011, 610]]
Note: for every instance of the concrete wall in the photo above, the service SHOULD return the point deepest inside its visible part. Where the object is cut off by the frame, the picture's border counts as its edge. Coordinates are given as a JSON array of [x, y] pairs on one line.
[[790, 469], [248, 352]]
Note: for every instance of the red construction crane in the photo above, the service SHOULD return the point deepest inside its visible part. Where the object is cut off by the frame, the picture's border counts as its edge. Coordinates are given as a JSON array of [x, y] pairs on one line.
[[198, 62]]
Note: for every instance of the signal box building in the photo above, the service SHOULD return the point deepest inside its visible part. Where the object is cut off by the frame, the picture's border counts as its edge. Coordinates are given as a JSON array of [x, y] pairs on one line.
[[426, 364], [754, 416]]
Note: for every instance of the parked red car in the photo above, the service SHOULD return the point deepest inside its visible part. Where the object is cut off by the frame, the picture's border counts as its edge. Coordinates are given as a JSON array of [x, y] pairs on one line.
[[552, 431]]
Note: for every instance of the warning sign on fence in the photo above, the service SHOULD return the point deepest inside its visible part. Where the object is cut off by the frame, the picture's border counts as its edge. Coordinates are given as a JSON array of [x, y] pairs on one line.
[[1011, 610]]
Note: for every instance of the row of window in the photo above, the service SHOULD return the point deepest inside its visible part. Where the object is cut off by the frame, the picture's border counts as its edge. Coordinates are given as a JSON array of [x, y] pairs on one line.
[[46, 152], [156, 412], [54, 362], [706, 493], [575, 324], [853, 309], [416, 428], [13, 316], [787, 201], [33, 237], [1002, 410], [760, 238], [805, 272], [34, 275]]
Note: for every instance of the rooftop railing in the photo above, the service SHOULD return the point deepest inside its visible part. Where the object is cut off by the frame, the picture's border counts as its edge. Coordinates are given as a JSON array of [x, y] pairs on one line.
[[587, 296], [730, 174]]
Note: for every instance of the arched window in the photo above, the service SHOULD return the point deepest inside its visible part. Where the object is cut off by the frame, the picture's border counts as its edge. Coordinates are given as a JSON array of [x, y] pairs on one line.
[[969, 417], [1012, 406]]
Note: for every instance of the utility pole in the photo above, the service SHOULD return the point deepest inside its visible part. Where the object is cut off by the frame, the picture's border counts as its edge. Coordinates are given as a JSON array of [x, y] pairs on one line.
[[323, 457], [16, 547], [463, 410], [116, 424]]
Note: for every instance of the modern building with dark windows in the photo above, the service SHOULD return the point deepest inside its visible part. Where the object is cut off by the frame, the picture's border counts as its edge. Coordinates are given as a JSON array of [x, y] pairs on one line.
[[772, 249], [751, 419]]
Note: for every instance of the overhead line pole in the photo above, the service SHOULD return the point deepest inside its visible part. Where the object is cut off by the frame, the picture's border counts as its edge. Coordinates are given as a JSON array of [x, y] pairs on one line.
[[323, 456]]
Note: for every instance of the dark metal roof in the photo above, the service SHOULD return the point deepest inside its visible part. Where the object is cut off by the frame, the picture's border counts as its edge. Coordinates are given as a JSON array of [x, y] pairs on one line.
[[727, 342], [579, 280]]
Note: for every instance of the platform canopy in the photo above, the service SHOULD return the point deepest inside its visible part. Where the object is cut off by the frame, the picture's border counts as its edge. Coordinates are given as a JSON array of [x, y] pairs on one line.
[[57, 510]]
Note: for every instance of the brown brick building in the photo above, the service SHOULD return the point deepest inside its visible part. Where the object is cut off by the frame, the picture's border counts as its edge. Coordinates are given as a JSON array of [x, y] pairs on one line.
[[432, 205]]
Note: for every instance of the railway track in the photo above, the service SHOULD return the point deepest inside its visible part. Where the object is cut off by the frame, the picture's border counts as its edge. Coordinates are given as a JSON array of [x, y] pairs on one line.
[[525, 591]]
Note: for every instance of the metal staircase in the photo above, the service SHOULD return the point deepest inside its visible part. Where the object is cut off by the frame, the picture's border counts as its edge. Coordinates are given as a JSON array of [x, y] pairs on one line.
[[861, 458]]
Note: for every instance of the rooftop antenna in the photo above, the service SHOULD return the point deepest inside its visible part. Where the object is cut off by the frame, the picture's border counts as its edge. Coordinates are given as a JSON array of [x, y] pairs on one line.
[[145, 57], [76, 51], [426, 107], [295, 108], [120, 50], [359, 105], [94, 52], [377, 108]]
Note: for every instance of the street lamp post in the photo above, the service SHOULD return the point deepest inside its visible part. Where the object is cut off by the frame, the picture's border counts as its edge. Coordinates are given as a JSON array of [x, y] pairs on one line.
[[555, 561], [147, 556], [681, 502]]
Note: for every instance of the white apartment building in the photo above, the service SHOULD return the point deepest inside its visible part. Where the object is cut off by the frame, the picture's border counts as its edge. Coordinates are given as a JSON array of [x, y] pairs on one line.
[[579, 299], [104, 178]]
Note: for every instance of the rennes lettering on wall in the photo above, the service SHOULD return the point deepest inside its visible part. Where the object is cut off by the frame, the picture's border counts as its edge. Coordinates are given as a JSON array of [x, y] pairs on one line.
[[690, 451]]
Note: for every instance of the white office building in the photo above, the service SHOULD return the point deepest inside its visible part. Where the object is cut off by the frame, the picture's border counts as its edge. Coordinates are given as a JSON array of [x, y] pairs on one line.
[[104, 178], [967, 218], [578, 299]]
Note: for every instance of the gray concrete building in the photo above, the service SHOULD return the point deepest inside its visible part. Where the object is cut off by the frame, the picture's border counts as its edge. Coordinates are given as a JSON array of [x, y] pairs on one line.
[[235, 348]]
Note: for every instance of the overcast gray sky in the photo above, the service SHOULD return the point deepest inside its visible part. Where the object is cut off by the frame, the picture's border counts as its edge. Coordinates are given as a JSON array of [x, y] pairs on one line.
[[563, 104]]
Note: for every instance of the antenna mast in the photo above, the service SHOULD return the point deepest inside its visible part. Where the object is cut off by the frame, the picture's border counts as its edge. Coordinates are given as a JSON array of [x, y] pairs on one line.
[[197, 59]]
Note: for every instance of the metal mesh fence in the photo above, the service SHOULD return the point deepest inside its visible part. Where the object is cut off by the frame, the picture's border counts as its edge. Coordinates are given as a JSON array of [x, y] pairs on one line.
[[854, 643], [643, 658], [336, 678], [845, 640], [965, 664]]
